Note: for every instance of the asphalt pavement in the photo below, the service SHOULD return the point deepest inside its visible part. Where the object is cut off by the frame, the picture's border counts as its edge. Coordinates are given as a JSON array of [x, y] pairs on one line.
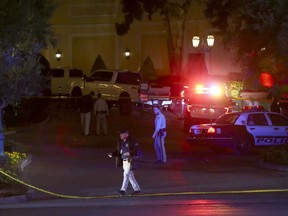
[[68, 165]]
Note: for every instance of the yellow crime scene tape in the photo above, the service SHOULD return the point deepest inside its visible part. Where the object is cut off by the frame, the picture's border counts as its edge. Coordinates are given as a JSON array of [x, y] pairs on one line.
[[146, 195]]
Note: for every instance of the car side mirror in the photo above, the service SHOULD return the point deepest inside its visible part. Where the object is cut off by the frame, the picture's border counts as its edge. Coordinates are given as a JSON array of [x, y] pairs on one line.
[[84, 77]]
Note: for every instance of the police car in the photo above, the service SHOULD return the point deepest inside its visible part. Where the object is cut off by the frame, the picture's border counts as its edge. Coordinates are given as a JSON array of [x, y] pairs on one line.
[[241, 131]]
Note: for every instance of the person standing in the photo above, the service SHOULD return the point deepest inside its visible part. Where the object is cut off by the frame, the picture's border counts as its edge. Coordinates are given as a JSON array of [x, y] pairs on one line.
[[102, 112], [127, 148], [85, 109], [159, 135], [275, 105]]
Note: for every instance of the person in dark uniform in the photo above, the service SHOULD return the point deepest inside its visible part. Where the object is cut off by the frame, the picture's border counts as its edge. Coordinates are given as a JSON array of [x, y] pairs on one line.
[[85, 109], [275, 105], [126, 148]]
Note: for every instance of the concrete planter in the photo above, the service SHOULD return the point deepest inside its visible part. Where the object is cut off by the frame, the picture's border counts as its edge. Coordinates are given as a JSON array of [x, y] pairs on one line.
[[255, 99], [15, 197], [254, 95]]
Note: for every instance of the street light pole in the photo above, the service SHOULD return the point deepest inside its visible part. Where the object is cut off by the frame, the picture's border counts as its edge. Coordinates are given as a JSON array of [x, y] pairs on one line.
[[205, 46]]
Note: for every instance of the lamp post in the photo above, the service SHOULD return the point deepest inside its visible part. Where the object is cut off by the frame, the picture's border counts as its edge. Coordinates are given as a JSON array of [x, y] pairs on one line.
[[205, 46]]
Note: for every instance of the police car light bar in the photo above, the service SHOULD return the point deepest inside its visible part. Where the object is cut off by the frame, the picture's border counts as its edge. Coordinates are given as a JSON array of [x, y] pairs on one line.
[[215, 90]]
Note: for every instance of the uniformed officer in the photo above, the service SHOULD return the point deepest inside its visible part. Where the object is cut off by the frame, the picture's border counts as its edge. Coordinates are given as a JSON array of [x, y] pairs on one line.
[[102, 112], [85, 108], [127, 148], [159, 135]]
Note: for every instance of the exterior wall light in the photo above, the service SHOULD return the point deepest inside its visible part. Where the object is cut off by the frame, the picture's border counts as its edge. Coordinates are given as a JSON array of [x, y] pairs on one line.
[[127, 53], [58, 55]]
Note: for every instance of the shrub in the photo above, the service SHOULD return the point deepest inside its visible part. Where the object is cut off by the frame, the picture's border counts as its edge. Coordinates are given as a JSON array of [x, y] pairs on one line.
[[26, 111]]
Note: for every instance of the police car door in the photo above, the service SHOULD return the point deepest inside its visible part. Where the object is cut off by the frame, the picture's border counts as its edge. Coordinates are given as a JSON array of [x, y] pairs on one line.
[[279, 128], [258, 126]]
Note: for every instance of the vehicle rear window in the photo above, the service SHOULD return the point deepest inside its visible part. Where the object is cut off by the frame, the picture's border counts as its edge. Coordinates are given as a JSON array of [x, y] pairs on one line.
[[104, 76], [57, 72], [130, 78], [227, 118], [75, 73]]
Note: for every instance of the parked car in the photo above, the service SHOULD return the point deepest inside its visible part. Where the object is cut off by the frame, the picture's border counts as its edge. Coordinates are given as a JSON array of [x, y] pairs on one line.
[[60, 80], [117, 87], [241, 131]]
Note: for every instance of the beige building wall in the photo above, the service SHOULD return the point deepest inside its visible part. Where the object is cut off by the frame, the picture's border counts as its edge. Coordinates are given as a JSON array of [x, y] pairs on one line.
[[86, 28]]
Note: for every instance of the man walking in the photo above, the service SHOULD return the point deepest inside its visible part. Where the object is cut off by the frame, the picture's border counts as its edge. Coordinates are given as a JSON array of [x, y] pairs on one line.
[[127, 148], [102, 112], [86, 106], [159, 135]]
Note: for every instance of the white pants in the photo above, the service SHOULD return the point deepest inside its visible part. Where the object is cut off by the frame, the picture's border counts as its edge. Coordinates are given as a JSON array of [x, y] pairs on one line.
[[128, 176], [159, 145], [85, 122], [101, 123]]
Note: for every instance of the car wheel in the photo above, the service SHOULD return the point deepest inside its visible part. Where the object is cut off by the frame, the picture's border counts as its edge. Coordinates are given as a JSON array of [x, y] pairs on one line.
[[125, 107], [242, 144]]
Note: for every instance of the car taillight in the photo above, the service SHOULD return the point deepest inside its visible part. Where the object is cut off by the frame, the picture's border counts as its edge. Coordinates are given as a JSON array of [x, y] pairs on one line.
[[189, 108], [211, 130], [227, 110]]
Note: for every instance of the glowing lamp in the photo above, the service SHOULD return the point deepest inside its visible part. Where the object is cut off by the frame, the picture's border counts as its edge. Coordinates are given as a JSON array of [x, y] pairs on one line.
[[195, 41], [211, 130], [199, 89], [127, 53], [266, 79], [58, 55], [210, 40]]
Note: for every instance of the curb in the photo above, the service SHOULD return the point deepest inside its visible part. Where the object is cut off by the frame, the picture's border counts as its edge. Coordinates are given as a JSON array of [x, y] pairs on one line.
[[5, 133], [272, 166]]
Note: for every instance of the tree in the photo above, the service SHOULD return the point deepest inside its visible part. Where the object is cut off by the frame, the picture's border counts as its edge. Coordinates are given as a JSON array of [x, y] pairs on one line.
[[169, 11], [258, 31], [24, 31]]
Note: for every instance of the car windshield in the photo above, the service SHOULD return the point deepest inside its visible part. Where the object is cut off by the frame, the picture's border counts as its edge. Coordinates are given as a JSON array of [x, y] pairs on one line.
[[130, 78], [227, 118]]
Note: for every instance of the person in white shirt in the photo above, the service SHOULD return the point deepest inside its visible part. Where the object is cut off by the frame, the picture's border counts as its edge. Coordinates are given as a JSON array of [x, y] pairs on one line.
[[159, 135], [102, 112]]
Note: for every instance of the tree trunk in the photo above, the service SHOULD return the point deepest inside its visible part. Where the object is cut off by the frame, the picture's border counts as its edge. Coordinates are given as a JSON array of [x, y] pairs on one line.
[[170, 44], [2, 137]]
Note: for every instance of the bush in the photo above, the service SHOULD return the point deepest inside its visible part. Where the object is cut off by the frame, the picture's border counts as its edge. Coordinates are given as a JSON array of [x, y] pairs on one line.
[[10, 163], [276, 155], [26, 111]]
